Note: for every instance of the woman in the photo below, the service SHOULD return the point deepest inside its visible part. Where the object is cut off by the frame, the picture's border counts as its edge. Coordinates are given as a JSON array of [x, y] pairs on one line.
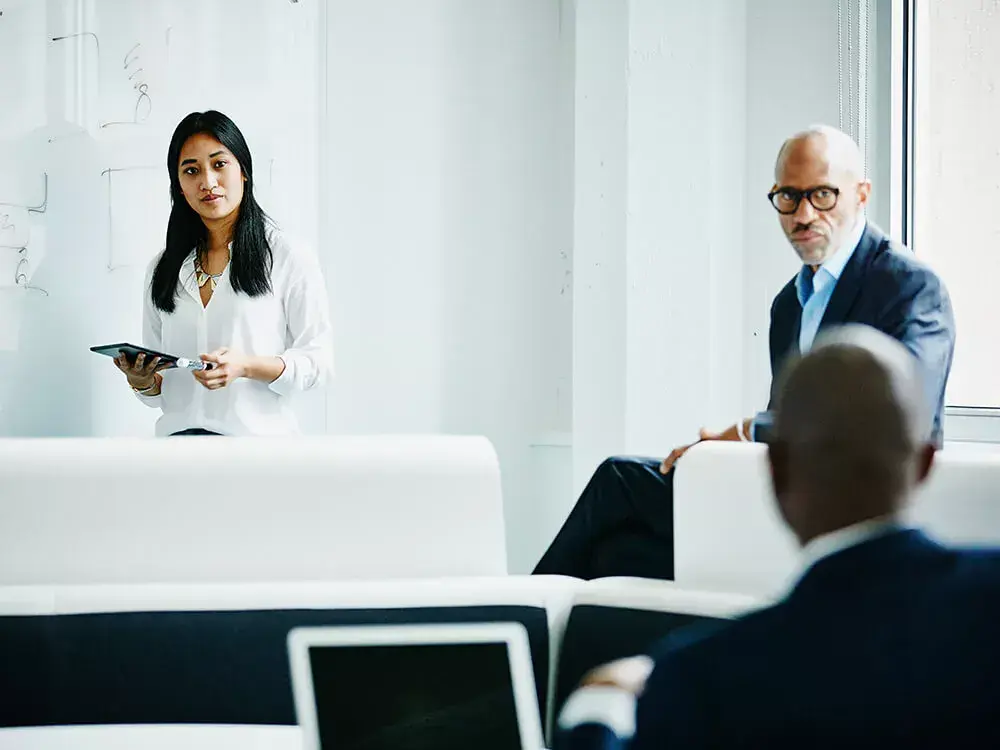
[[227, 283]]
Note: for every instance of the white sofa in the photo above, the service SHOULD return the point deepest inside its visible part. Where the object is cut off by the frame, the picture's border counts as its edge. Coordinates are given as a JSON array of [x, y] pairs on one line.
[[186, 510], [128, 569], [729, 536]]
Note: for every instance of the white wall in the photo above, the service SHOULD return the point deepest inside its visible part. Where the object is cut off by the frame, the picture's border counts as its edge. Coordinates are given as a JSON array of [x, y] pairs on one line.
[[599, 240], [659, 224], [672, 222], [449, 207], [685, 219]]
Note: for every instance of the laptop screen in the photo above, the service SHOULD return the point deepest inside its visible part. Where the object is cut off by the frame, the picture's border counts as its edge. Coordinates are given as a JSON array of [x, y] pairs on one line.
[[414, 696]]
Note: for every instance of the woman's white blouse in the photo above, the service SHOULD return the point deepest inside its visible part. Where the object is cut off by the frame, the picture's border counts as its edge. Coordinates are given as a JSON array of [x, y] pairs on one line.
[[293, 322]]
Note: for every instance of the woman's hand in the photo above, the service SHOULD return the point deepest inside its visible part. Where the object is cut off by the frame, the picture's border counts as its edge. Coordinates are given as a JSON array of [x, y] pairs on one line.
[[229, 366], [141, 374]]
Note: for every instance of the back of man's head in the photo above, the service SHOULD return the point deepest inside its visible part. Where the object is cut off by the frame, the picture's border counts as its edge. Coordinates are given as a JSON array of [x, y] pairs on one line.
[[851, 436]]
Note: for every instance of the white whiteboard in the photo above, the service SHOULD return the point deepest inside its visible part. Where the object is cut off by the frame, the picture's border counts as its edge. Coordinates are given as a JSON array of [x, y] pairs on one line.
[[92, 92]]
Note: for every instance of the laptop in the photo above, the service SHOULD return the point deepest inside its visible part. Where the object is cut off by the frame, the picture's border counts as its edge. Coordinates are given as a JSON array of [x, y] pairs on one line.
[[463, 686]]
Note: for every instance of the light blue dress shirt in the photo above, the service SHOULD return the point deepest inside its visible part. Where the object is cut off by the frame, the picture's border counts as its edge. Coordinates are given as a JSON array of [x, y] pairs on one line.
[[814, 291]]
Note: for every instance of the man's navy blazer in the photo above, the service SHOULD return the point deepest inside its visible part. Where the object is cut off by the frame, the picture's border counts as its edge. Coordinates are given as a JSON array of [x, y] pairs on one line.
[[894, 642], [884, 286]]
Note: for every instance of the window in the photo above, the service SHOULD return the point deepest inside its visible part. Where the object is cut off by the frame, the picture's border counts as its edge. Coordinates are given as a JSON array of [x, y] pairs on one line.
[[951, 170]]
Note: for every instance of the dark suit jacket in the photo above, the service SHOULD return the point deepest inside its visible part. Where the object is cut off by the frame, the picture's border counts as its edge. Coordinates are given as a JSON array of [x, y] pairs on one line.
[[884, 286], [590, 736], [892, 643]]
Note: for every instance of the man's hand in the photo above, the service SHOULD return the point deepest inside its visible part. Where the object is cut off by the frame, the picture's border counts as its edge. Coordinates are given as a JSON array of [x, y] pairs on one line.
[[627, 674], [704, 435]]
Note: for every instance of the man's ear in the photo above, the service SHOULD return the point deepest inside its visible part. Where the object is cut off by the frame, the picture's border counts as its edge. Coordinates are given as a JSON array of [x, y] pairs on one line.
[[925, 460], [864, 193]]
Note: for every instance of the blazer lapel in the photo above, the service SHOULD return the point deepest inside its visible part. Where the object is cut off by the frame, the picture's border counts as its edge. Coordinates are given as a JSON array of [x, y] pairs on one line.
[[849, 284], [783, 333], [786, 326]]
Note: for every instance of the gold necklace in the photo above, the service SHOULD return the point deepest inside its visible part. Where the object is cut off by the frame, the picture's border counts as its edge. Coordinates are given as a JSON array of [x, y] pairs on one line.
[[203, 278]]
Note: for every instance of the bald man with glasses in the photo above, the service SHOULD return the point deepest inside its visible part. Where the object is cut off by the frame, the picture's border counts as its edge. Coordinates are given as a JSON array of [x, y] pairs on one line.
[[622, 524]]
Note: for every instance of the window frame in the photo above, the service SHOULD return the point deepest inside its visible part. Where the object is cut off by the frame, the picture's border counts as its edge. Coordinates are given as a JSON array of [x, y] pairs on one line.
[[980, 424]]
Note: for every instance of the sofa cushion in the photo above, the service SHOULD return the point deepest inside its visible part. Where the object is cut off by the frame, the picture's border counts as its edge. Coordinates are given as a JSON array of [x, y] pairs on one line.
[[598, 634], [217, 667], [612, 618]]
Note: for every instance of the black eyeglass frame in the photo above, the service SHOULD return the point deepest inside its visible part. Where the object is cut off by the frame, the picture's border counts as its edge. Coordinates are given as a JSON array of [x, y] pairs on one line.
[[807, 194]]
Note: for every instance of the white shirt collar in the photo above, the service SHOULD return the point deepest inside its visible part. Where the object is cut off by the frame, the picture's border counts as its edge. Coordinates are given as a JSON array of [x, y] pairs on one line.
[[836, 541], [612, 707]]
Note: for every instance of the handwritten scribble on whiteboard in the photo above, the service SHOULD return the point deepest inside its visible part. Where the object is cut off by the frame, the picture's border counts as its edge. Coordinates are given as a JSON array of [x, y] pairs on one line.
[[109, 70], [133, 60], [23, 273], [32, 208], [132, 68], [14, 226], [138, 208]]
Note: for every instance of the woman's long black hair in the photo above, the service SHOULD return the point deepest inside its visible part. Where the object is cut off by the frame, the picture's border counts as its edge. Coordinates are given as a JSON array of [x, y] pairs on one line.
[[250, 266]]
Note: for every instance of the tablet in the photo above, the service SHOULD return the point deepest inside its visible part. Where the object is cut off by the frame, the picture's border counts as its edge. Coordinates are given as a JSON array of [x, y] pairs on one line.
[[131, 352]]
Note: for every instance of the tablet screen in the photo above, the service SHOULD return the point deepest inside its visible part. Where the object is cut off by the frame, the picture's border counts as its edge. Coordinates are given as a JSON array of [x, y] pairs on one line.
[[131, 352]]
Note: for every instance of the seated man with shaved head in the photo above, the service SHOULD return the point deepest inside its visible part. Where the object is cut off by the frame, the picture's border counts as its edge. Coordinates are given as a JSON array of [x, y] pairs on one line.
[[888, 639], [622, 524]]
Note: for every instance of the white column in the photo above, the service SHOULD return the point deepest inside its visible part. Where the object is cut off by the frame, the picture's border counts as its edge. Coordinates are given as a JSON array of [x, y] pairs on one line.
[[600, 164], [686, 199]]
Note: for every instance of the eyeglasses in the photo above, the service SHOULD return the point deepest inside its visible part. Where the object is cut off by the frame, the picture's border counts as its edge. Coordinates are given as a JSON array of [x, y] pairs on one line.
[[786, 200]]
